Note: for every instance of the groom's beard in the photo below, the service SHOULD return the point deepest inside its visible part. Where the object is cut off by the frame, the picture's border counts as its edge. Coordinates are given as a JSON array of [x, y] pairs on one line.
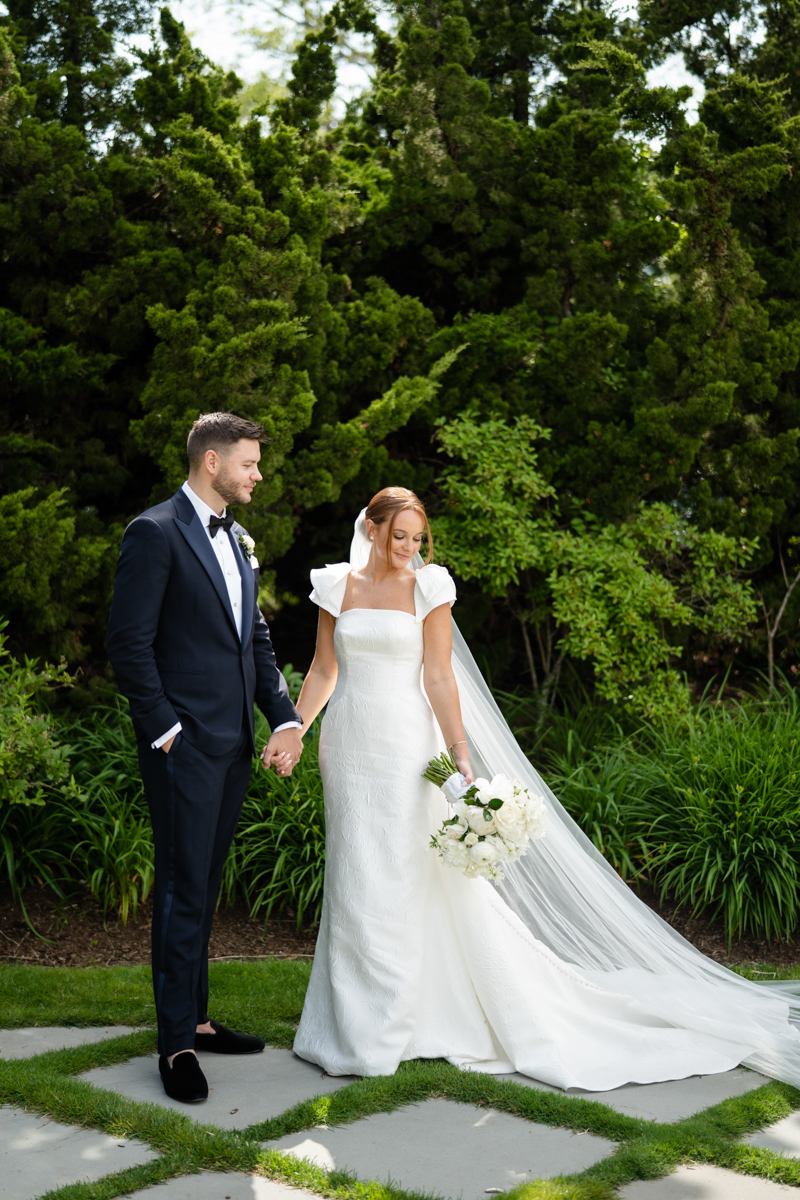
[[228, 490]]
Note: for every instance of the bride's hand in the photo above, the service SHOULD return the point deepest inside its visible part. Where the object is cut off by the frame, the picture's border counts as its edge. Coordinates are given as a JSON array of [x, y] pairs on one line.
[[462, 762]]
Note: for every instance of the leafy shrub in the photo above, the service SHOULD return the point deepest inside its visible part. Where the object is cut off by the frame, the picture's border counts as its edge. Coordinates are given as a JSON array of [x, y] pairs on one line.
[[34, 770], [34, 764]]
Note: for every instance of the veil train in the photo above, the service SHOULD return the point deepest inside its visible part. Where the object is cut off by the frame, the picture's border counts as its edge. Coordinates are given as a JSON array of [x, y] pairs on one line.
[[573, 901]]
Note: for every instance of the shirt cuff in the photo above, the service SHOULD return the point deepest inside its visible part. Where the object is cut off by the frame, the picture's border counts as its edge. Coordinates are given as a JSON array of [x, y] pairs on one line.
[[171, 733], [287, 725]]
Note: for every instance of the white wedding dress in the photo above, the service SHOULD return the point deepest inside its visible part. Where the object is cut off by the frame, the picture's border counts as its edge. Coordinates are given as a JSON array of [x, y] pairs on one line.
[[414, 960]]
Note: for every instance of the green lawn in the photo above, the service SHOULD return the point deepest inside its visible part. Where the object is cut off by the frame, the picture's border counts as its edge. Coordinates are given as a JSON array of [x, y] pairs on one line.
[[266, 997]]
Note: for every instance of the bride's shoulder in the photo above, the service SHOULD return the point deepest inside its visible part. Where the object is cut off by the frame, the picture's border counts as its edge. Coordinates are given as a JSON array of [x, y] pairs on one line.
[[329, 584], [434, 586]]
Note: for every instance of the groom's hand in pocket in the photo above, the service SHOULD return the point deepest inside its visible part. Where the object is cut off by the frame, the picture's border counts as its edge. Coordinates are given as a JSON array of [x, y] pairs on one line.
[[283, 751]]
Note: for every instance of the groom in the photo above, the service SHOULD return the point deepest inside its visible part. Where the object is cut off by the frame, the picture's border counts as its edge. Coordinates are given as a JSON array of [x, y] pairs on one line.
[[191, 652]]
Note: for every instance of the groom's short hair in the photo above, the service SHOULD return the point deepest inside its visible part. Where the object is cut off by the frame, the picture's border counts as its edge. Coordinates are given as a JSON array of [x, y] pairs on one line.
[[219, 431]]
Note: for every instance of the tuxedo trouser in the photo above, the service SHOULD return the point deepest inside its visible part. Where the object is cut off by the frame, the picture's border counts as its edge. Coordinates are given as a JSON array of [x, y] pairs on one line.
[[195, 801]]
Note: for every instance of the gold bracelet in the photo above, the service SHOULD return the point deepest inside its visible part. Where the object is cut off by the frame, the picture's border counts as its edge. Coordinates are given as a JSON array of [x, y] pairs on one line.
[[463, 742]]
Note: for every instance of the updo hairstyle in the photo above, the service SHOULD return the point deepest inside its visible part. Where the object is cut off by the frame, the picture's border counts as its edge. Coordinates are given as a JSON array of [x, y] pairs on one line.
[[387, 504]]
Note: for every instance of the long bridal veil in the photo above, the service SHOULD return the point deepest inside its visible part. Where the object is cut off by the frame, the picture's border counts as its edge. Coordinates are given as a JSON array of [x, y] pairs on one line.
[[574, 902]]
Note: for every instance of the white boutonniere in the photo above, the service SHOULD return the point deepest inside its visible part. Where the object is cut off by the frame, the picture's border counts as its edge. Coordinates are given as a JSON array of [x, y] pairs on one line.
[[249, 548]]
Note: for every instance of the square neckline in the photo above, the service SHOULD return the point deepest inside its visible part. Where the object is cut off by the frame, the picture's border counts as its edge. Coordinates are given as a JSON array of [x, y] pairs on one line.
[[360, 608]]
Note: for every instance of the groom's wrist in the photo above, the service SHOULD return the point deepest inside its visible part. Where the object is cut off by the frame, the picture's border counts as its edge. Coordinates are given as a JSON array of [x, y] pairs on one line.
[[287, 725]]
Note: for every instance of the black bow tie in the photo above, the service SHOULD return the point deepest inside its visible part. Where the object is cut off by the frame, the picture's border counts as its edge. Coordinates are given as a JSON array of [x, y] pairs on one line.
[[215, 523]]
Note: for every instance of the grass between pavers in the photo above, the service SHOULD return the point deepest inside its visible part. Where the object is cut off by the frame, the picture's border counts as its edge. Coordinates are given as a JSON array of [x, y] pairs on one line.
[[266, 997]]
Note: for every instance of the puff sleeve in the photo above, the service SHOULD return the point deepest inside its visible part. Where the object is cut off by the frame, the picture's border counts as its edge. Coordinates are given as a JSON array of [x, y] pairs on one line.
[[329, 584], [434, 586]]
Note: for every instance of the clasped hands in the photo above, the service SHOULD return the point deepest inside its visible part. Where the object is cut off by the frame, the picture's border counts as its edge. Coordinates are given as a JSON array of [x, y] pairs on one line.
[[283, 751]]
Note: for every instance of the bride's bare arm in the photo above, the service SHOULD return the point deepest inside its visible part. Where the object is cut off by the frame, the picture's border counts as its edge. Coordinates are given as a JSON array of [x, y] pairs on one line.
[[441, 687], [321, 678]]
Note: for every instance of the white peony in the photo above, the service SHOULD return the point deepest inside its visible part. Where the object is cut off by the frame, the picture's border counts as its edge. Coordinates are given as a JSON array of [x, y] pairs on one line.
[[502, 788]]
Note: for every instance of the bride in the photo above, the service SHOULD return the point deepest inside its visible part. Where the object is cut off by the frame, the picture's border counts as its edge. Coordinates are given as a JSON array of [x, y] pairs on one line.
[[560, 972]]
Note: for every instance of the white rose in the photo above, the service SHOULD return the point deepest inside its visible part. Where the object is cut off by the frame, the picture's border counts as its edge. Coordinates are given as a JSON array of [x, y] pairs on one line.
[[454, 833], [477, 819], [483, 854], [248, 543], [509, 817], [470, 839]]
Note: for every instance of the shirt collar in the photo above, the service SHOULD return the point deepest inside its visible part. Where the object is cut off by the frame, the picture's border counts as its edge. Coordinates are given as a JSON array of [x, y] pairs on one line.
[[200, 507]]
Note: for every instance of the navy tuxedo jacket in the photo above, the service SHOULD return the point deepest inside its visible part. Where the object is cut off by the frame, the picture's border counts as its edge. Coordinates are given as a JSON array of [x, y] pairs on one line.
[[172, 639]]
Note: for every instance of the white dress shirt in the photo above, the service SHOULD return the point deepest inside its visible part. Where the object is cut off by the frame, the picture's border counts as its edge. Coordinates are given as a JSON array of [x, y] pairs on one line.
[[226, 557]]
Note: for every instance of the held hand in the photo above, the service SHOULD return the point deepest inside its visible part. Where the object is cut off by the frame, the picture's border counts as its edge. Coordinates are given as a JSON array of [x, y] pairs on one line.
[[283, 751], [167, 746], [461, 756]]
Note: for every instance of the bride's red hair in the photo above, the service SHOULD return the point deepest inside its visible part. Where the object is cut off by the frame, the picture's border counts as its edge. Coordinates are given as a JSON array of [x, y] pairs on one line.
[[387, 504]]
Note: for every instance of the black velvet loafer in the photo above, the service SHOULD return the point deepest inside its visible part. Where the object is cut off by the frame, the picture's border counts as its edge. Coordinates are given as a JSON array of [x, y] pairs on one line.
[[183, 1080], [225, 1041]]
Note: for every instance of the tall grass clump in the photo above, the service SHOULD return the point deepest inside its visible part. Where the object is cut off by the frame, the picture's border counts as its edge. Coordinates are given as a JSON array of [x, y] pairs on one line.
[[707, 810], [723, 793], [110, 835], [278, 857]]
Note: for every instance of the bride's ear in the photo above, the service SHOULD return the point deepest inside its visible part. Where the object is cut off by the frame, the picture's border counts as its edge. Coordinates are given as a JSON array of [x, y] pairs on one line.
[[372, 529]]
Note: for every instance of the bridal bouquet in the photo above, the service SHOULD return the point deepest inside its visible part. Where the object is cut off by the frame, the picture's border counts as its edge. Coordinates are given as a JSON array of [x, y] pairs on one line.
[[493, 822]]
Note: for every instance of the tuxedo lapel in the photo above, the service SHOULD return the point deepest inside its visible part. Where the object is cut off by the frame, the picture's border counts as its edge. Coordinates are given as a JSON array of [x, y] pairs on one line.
[[189, 524], [248, 584]]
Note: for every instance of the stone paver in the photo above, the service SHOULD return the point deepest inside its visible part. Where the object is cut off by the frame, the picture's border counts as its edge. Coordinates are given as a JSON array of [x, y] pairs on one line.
[[783, 1137], [242, 1090], [667, 1102], [38, 1155], [706, 1183], [25, 1043], [227, 1186], [452, 1150]]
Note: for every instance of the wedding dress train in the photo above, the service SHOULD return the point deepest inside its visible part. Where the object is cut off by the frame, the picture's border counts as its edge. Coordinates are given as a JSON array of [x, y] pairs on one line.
[[414, 960]]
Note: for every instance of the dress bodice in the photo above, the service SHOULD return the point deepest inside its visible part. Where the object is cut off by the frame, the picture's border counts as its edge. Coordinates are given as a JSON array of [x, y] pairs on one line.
[[379, 654], [378, 650]]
